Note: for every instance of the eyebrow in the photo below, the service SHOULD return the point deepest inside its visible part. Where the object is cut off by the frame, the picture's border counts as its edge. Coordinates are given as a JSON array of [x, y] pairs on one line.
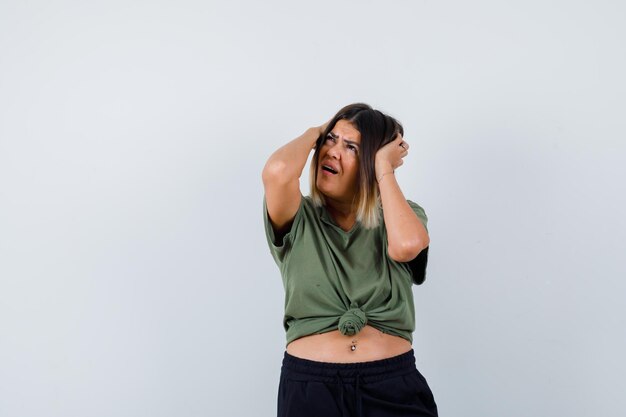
[[349, 142]]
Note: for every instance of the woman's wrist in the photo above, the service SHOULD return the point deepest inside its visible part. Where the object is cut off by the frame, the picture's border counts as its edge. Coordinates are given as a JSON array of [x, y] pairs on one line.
[[317, 130], [380, 177], [310, 136], [382, 167]]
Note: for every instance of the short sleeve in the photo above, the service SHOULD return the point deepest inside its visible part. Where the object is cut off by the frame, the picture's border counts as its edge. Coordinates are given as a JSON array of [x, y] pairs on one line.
[[279, 249], [419, 211], [418, 265]]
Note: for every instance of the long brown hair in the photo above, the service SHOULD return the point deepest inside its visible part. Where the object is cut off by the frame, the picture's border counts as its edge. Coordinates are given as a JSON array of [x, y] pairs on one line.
[[376, 129]]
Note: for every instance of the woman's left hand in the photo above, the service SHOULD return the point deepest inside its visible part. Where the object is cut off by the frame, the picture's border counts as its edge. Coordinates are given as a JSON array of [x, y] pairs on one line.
[[406, 235], [389, 157]]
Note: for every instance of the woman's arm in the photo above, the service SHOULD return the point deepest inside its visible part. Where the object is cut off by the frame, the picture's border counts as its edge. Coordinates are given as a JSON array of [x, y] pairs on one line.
[[281, 178], [406, 235]]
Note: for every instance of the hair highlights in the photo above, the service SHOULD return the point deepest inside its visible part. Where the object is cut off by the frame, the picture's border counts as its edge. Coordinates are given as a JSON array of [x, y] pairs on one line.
[[376, 129]]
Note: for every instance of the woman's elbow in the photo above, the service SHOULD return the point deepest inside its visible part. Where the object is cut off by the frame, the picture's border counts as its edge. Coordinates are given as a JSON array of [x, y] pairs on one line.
[[274, 171], [408, 250]]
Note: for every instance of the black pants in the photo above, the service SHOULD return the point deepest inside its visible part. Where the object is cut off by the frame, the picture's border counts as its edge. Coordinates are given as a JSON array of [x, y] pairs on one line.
[[390, 387]]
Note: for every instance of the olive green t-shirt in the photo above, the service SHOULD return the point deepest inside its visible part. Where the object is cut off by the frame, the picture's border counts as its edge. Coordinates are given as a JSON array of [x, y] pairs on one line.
[[335, 279]]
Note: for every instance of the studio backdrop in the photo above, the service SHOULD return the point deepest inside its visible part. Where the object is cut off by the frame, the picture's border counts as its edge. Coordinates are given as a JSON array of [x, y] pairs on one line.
[[135, 279]]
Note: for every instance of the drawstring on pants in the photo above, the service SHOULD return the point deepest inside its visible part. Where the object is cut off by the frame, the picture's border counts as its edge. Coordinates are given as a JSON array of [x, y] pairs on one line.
[[358, 394], [295, 398]]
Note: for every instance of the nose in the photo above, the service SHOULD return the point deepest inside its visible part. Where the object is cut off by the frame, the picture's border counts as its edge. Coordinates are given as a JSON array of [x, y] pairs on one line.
[[334, 151]]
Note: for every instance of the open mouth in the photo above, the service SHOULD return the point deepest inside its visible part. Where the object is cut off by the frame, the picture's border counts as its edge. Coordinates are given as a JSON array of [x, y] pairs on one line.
[[329, 169]]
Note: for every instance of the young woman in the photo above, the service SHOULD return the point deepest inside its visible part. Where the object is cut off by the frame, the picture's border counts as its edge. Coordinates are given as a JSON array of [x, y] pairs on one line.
[[348, 254]]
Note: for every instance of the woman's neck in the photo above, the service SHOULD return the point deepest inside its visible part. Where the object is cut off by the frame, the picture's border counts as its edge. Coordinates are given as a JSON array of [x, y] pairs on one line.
[[342, 213]]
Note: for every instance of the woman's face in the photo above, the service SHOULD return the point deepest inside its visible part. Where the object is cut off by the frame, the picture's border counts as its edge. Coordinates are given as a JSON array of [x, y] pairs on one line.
[[338, 166]]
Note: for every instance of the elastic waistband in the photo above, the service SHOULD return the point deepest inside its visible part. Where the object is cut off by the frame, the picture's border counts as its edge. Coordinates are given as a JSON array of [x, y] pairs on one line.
[[372, 370]]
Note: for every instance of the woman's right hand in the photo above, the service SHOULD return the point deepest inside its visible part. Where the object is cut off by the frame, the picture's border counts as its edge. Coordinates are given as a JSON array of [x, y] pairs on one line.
[[281, 177], [321, 129]]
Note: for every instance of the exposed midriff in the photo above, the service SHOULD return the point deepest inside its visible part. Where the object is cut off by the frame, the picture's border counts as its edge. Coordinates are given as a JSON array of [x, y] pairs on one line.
[[370, 345]]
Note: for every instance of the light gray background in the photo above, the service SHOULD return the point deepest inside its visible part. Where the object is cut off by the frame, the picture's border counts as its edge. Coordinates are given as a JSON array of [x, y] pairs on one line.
[[134, 274]]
